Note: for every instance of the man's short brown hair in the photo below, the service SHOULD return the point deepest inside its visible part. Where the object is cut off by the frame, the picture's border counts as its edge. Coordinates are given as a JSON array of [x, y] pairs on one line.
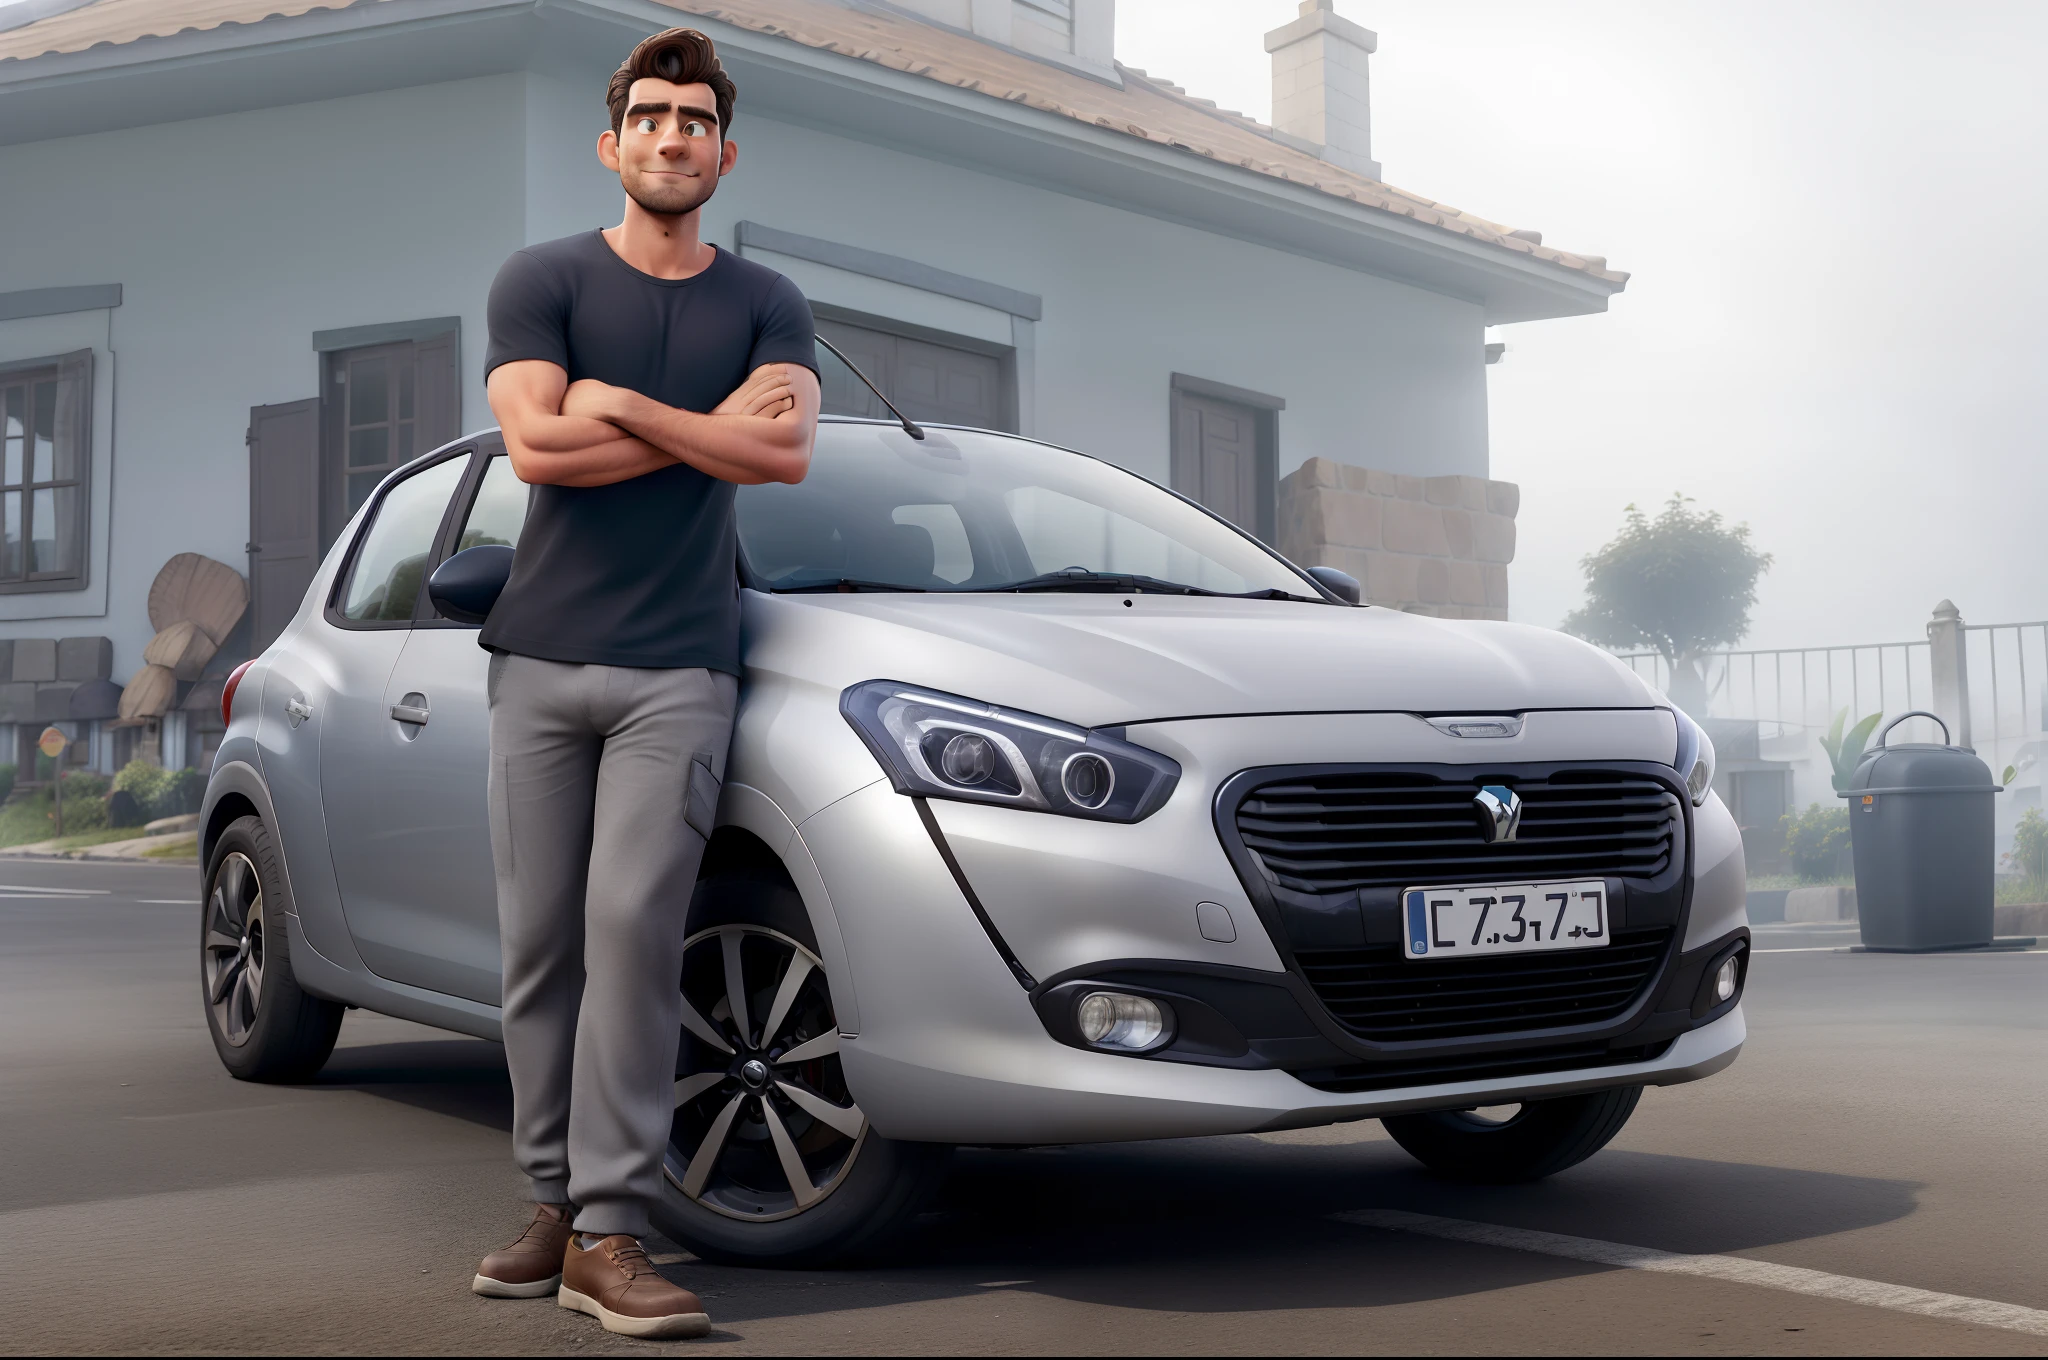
[[681, 56]]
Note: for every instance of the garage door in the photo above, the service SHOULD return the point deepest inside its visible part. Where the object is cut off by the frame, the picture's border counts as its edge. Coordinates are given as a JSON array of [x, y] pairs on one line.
[[928, 381]]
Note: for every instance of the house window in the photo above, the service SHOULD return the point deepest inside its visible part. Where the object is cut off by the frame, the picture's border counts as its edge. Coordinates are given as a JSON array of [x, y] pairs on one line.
[[45, 451], [383, 404]]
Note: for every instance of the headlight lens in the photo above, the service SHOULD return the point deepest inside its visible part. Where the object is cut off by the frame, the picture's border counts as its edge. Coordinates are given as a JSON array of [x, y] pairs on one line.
[[943, 746], [1695, 761]]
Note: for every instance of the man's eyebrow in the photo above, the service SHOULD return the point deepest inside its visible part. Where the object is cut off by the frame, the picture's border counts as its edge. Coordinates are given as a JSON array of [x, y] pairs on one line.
[[664, 106]]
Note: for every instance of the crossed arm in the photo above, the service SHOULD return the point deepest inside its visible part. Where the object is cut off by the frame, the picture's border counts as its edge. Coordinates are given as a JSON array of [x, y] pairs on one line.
[[590, 433]]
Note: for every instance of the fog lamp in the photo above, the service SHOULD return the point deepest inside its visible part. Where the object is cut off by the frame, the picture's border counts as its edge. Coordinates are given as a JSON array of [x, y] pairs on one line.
[[1725, 978], [1117, 1021]]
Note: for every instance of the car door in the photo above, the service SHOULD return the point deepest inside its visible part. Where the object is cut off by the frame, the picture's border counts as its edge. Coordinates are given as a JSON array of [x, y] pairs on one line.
[[362, 747], [431, 873]]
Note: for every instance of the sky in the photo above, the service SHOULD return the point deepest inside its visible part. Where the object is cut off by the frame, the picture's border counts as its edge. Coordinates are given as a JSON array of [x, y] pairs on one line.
[[1833, 214]]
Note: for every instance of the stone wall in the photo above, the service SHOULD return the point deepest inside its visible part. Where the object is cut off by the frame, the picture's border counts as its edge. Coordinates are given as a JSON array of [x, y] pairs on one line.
[[1429, 545]]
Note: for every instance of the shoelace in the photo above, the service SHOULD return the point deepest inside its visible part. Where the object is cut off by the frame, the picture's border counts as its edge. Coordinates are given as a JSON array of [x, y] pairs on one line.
[[632, 1260]]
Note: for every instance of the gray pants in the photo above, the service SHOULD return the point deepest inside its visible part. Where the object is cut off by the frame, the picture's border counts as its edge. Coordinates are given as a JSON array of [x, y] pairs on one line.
[[604, 782]]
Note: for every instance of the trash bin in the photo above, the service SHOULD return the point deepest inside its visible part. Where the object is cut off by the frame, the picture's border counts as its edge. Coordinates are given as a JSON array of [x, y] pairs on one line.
[[1920, 823]]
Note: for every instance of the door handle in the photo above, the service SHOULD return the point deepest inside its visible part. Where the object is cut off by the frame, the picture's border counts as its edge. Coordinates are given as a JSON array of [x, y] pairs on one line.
[[297, 710], [411, 709]]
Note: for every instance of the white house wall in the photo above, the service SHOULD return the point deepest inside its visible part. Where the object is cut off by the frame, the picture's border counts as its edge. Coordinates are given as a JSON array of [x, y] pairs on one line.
[[236, 237]]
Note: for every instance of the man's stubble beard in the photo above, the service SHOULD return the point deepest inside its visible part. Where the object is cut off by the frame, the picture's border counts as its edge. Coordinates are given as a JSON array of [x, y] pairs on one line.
[[668, 202]]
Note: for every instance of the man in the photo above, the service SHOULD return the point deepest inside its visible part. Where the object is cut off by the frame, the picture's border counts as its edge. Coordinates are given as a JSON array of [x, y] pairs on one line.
[[639, 373]]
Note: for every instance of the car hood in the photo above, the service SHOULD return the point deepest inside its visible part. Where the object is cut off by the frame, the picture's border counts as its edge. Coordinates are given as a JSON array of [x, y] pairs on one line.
[[1102, 659]]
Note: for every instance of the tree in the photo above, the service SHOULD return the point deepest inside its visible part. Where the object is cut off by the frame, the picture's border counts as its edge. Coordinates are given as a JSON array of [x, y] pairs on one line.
[[1682, 584]]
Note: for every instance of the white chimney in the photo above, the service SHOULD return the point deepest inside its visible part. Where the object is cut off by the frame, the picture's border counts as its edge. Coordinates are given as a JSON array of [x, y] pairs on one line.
[[1322, 93]]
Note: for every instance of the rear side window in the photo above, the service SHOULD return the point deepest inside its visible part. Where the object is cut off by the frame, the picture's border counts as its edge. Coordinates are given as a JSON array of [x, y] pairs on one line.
[[499, 511], [384, 581]]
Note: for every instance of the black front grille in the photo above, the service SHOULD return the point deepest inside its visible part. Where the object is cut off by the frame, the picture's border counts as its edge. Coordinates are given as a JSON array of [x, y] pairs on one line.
[[1483, 1067], [1327, 833], [1378, 994]]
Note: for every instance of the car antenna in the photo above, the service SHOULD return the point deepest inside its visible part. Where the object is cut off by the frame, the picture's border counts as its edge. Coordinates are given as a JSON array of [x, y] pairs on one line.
[[909, 427]]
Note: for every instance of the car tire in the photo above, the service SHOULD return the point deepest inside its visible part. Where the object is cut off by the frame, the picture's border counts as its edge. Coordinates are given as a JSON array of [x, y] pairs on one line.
[[734, 1212], [264, 1025], [1542, 1138]]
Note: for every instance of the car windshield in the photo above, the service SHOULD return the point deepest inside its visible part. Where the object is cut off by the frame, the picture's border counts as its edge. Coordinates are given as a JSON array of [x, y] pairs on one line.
[[964, 511]]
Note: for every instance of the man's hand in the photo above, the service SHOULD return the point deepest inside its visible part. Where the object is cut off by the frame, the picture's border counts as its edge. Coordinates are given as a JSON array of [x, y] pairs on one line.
[[767, 393]]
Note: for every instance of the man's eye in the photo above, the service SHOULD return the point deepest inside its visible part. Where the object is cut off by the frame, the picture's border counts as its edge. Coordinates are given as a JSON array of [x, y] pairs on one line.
[[693, 128], [646, 125]]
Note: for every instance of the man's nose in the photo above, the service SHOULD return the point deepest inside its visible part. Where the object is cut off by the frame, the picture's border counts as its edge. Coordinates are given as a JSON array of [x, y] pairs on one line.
[[674, 144]]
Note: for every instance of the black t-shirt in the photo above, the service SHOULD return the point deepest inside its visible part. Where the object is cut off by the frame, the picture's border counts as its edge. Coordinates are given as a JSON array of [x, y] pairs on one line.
[[641, 572]]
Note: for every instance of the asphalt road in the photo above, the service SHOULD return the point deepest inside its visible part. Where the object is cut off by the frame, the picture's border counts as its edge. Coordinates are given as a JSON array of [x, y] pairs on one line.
[[1885, 1123]]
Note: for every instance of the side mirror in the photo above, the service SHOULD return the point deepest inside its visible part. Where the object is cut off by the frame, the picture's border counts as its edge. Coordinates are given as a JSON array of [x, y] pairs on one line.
[[1342, 584], [466, 586]]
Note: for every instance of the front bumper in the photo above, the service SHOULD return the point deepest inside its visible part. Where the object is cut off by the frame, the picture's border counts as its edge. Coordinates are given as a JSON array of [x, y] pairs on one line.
[[951, 1049]]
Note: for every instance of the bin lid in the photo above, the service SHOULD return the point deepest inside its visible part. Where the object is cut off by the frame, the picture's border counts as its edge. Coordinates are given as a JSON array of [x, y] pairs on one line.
[[1921, 766]]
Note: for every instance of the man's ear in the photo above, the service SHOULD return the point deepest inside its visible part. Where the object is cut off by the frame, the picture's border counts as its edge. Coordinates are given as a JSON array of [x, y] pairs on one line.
[[608, 150], [728, 156]]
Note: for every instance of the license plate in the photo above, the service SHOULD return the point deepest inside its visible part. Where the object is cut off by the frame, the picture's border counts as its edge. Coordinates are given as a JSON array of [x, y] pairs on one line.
[[1511, 918]]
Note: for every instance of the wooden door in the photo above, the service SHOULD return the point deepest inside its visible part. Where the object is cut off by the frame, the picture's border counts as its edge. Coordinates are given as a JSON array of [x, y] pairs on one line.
[[284, 514], [1217, 459]]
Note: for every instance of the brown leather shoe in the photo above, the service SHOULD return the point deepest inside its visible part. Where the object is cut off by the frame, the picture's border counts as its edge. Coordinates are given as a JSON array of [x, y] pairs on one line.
[[615, 1283], [530, 1268]]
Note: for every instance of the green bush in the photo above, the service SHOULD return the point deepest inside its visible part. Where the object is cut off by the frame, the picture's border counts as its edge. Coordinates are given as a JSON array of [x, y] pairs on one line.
[[34, 817], [6, 782], [2029, 855], [161, 792], [1815, 839]]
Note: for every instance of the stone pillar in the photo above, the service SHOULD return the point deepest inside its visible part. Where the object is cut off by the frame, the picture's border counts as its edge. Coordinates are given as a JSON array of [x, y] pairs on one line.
[[1429, 545], [1950, 661]]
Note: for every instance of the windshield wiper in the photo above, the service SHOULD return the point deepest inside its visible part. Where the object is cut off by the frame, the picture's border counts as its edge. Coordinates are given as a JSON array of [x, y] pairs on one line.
[[845, 583], [1080, 578], [1278, 594]]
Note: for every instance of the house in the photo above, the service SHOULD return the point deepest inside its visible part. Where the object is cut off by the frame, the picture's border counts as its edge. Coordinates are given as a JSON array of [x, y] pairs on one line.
[[245, 247]]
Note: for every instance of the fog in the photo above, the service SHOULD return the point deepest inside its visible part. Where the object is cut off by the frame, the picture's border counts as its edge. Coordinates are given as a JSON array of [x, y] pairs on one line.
[[1831, 213]]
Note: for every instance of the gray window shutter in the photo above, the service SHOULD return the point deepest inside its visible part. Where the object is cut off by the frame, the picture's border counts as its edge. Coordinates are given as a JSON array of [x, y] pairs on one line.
[[284, 514]]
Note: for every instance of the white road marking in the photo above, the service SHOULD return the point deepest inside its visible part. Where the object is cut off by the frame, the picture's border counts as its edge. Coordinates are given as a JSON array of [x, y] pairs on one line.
[[33, 890], [1804, 949], [168, 901], [1898, 1298]]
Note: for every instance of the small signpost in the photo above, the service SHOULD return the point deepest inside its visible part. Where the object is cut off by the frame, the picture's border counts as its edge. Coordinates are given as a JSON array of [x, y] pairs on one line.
[[52, 744]]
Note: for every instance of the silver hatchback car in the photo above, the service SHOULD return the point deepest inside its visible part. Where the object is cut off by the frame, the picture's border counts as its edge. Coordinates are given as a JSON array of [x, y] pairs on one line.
[[1058, 810]]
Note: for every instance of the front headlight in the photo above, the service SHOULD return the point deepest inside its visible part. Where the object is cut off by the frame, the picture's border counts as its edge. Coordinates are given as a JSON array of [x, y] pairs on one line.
[[943, 746], [1695, 761]]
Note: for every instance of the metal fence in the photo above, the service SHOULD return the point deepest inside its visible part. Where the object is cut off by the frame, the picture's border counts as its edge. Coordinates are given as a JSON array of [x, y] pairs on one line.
[[1988, 681]]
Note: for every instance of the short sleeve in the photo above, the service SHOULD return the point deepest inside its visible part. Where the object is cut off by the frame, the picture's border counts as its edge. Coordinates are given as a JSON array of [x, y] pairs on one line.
[[784, 332], [528, 314]]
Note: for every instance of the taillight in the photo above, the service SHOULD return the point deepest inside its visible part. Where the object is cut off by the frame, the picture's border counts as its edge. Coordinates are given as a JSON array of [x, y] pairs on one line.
[[227, 691]]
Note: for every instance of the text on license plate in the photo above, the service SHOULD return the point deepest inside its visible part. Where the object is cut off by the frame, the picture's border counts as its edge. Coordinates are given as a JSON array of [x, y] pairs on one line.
[[1510, 918]]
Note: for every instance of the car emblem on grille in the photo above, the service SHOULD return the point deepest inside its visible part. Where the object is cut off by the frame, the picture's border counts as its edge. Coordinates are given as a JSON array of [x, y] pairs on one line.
[[1483, 725], [1500, 813]]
